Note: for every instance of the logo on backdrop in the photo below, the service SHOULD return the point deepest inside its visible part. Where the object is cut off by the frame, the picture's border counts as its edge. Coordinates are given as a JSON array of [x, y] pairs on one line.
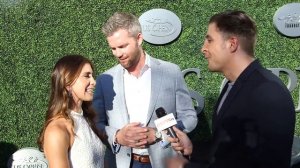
[[291, 85], [28, 157], [160, 26], [287, 20]]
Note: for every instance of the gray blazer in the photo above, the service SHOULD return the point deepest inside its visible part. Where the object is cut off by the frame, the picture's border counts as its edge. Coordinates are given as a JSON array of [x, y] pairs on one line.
[[168, 90]]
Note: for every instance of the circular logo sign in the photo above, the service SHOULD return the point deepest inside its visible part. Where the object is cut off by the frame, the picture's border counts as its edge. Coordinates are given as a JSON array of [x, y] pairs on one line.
[[287, 20], [160, 26], [28, 157]]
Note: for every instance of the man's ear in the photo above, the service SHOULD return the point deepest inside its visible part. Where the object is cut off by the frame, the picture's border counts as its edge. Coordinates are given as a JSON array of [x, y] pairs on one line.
[[139, 38], [233, 43]]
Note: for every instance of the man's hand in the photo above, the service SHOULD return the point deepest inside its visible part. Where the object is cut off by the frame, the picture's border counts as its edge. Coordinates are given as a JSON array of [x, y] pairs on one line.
[[176, 162], [133, 135], [181, 144], [150, 136]]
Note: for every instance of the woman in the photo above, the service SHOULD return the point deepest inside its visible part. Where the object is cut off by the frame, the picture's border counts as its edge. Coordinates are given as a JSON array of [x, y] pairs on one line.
[[69, 137]]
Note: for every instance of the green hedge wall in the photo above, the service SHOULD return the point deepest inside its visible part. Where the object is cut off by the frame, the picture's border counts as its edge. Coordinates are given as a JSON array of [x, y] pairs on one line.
[[34, 34]]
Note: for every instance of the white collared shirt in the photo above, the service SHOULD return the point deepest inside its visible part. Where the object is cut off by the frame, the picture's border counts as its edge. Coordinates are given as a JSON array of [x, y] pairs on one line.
[[137, 96]]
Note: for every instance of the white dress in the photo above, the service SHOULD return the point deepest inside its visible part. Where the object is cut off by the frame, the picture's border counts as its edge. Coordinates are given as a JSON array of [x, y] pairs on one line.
[[87, 150]]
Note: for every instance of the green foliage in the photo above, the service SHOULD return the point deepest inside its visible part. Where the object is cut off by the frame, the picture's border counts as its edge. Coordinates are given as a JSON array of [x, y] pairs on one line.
[[35, 33]]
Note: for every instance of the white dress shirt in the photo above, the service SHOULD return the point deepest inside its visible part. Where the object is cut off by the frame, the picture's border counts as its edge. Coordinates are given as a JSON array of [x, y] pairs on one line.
[[137, 96]]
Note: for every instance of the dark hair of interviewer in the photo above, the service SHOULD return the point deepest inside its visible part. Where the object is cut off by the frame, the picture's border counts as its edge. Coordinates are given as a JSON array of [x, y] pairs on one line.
[[237, 23]]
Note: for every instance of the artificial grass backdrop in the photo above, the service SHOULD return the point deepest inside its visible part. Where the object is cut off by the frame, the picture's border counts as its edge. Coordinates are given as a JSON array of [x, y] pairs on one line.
[[34, 34]]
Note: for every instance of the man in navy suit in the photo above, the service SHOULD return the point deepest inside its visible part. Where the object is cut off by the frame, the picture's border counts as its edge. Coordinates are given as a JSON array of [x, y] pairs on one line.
[[254, 118]]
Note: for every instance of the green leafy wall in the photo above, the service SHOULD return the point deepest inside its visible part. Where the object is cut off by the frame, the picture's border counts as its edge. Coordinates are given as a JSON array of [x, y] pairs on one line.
[[34, 34]]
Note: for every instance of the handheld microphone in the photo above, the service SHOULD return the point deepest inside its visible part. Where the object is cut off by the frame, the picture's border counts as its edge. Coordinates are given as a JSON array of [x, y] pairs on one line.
[[165, 121]]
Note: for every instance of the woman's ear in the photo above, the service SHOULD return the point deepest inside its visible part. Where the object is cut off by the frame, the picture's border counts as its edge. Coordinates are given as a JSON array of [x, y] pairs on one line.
[[69, 90]]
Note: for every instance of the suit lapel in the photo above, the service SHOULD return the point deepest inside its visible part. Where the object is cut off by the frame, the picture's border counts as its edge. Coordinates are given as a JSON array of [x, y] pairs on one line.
[[119, 83], [215, 115], [235, 89], [237, 85], [230, 97], [156, 78]]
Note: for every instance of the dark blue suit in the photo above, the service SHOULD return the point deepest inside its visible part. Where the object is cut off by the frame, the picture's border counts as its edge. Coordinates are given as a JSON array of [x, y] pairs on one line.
[[255, 126]]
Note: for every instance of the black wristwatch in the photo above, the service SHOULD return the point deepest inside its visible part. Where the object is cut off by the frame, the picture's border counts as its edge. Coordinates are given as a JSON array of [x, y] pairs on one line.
[[158, 136]]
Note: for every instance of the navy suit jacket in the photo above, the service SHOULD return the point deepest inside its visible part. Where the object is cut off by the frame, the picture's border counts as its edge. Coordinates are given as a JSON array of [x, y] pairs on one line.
[[254, 128]]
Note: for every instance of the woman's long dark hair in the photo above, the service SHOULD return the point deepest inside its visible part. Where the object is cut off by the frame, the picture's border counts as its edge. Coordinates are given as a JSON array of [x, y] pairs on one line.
[[65, 72]]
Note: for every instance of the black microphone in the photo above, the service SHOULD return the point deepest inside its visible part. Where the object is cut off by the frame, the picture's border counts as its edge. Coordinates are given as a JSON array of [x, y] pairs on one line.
[[160, 112]]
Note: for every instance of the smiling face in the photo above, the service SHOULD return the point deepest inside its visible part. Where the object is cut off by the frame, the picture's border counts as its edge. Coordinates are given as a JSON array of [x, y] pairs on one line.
[[216, 49], [126, 48], [84, 85]]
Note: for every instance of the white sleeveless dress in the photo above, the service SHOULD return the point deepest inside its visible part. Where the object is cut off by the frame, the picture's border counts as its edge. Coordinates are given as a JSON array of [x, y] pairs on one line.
[[87, 150]]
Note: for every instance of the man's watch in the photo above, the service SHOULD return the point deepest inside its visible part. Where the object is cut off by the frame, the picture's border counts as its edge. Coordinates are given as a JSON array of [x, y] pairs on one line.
[[158, 136]]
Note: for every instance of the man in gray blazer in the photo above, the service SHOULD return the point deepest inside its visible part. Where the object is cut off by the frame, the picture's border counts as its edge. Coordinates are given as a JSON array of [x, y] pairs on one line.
[[128, 94]]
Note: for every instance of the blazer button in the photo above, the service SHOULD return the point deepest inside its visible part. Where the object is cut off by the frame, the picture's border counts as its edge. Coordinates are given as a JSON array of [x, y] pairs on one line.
[[128, 154]]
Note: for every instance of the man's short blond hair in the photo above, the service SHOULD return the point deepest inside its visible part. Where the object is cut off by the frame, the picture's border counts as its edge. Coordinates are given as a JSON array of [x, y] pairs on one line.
[[120, 20]]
